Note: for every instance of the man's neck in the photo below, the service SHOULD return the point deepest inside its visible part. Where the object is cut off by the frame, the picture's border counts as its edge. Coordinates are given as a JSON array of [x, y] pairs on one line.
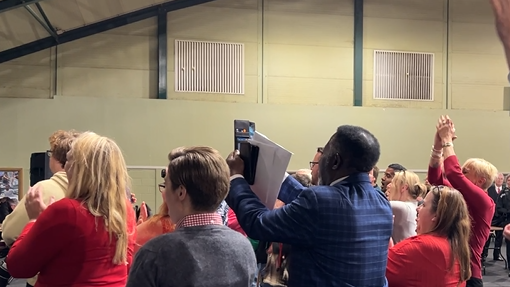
[[498, 186]]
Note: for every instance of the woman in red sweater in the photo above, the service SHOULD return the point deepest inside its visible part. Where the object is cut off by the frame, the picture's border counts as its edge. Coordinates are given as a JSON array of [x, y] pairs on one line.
[[472, 180], [87, 238], [439, 255]]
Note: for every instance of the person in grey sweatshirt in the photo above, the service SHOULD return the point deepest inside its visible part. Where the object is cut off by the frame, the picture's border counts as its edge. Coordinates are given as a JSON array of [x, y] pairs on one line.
[[201, 251]]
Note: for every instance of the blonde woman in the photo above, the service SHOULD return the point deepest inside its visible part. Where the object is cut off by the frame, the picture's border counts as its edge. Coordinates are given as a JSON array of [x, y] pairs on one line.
[[439, 255], [87, 238], [403, 192]]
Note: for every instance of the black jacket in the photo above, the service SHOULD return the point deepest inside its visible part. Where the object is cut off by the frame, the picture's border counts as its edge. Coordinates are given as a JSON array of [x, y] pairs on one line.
[[502, 208]]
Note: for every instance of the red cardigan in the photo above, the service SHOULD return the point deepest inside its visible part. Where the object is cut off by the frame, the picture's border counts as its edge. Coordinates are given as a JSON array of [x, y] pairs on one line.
[[480, 205], [422, 261], [68, 246]]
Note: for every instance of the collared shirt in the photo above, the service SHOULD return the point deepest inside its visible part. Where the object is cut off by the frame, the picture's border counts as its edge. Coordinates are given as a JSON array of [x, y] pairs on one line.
[[200, 220], [223, 212]]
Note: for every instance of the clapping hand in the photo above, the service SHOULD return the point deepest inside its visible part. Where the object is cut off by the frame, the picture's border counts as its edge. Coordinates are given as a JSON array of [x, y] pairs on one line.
[[34, 203], [445, 131]]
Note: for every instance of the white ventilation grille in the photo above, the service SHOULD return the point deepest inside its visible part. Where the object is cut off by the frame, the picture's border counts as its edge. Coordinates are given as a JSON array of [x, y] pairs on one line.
[[209, 67], [403, 76]]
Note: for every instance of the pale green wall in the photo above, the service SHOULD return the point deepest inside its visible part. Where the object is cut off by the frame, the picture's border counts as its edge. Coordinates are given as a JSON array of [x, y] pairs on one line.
[[147, 130]]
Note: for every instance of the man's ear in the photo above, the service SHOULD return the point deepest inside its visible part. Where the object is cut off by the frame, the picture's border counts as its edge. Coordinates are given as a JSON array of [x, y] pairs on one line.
[[337, 162]]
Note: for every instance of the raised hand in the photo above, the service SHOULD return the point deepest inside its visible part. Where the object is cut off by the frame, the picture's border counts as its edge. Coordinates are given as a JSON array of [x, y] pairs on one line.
[[235, 163]]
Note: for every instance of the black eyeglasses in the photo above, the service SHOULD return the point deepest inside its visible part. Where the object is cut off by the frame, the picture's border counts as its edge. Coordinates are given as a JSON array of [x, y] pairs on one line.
[[313, 163], [161, 187]]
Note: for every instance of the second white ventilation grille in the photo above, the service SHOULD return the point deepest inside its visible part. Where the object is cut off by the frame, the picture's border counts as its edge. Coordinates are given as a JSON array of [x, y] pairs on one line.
[[403, 76], [209, 67]]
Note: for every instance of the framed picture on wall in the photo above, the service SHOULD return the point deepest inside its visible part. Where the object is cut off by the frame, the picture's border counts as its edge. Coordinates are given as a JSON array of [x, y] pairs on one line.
[[11, 183]]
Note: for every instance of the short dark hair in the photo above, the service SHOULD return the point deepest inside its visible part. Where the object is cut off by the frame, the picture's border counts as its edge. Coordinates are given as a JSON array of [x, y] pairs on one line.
[[358, 147], [203, 172], [320, 150], [397, 167]]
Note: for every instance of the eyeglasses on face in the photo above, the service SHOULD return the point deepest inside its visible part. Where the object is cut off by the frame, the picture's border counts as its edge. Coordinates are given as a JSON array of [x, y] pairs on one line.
[[161, 187], [313, 163]]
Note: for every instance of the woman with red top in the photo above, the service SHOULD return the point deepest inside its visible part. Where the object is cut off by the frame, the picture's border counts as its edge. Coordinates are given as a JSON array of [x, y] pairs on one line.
[[87, 238], [439, 255], [472, 180]]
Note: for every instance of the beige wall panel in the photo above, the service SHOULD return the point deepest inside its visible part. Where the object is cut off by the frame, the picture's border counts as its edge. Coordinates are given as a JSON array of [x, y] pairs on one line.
[[405, 9], [335, 7], [482, 69], [144, 187], [223, 21], [308, 29], [210, 23], [477, 97], [27, 77], [309, 61], [100, 82], [403, 35], [107, 65], [309, 91], [471, 11], [110, 51], [308, 58], [475, 38]]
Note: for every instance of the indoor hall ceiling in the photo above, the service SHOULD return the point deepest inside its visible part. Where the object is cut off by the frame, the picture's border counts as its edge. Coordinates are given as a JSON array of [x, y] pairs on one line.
[[18, 26]]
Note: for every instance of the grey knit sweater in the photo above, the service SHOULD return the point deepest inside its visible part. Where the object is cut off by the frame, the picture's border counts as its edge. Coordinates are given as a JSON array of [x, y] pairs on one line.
[[199, 256]]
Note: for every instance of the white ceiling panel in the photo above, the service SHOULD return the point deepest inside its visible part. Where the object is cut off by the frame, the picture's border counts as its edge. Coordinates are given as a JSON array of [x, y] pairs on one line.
[[64, 15], [95, 11], [133, 5], [18, 27]]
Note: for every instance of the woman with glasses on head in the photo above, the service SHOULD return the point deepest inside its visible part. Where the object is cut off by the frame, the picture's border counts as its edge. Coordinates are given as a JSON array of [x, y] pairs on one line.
[[439, 255], [87, 238], [156, 225], [403, 192]]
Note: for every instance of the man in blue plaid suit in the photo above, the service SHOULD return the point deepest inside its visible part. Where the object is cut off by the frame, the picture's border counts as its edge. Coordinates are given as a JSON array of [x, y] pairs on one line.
[[338, 231]]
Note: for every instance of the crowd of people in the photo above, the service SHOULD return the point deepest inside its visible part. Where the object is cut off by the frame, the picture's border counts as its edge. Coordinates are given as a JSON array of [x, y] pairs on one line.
[[332, 224]]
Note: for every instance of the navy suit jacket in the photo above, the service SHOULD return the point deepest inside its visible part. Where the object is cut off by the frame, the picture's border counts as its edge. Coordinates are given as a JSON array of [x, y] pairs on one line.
[[339, 234]]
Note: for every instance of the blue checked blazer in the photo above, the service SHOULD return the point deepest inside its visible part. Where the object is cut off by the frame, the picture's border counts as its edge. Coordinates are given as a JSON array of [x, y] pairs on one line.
[[339, 234]]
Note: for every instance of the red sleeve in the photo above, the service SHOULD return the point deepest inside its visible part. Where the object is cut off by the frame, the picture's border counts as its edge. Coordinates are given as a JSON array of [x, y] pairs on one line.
[[435, 176], [404, 256], [476, 198], [233, 223], [41, 241], [131, 227]]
